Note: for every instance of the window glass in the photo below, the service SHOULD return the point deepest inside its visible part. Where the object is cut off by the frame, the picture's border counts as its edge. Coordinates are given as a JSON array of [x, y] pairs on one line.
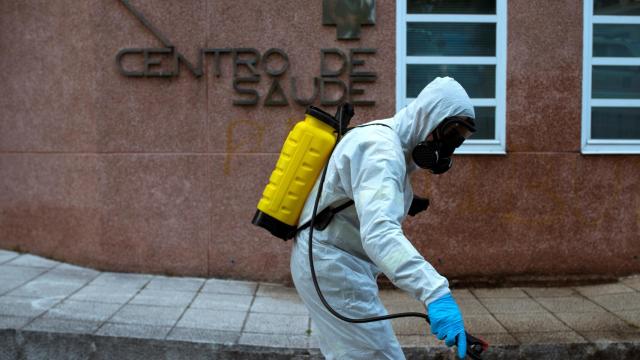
[[478, 80], [451, 39], [451, 7], [616, 82], [611, 79], [616, 40], [615, 123], [485, 123], [616, 7], [462, 39]]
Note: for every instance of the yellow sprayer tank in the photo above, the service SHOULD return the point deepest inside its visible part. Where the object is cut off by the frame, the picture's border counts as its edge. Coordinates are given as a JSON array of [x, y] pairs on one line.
[[303, 156]]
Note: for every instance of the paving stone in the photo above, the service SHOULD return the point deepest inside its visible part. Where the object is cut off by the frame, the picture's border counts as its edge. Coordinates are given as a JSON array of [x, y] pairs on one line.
[[222, 301], [79, 310], [6, 255], [512, 305], [411, 326], [225, 320], [619, 302], [229, 287], [19, 273], [460, 294], [33, 261], [279, 306], [76, 268], [603, 289], [73, 273], [497, 339], [483, 324], [594, 322], [632, 282], [471, 306], [204, 335], [395, 296], [13, 322], [611, 336], [64, 277], [148, 315], [46, 289], [419, 340], [549, 292], [105, 294], [273, 340], [63, 326], [175, 283], [9, 285], [404, 306], [499, 293], [23, 306], [631, 316], [531, 322], [559, 337], [277, 324], [163, 298], [121, 280], [134, 331], [276, 291], [569, 304]]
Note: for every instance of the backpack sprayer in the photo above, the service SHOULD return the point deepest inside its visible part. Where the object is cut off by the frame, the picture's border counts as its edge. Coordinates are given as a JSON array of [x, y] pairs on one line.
[[305, 152]]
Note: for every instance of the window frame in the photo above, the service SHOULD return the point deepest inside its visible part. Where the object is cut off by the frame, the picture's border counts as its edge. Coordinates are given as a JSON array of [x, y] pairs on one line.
[[603, 146], [496, 146]]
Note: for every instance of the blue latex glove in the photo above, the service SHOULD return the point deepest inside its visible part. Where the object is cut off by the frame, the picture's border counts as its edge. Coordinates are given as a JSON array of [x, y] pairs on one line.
[[446, 323]]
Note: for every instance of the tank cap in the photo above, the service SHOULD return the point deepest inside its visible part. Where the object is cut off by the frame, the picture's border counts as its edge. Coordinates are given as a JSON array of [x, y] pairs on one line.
[[324, 117]]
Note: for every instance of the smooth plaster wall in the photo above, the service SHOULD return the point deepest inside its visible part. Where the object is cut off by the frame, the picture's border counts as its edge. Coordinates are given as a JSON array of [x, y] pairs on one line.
[[163, 175]]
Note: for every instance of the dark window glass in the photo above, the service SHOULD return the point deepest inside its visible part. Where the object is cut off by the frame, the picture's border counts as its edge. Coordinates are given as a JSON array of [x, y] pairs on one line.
[[451, 39], [611, 40], [478, 80], [615, 123], [451, 6], [616, 7], [485, 123], [616, 82]]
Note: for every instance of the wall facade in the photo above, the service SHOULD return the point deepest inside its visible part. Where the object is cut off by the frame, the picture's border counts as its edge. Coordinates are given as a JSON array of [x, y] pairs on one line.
[[162, 175]]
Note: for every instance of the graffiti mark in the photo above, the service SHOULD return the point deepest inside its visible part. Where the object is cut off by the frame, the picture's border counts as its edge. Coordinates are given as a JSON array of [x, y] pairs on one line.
[[241, 134]]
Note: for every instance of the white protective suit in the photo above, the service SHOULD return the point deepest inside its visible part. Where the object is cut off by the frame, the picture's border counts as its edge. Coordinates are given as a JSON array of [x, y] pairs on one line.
[[371, 165]]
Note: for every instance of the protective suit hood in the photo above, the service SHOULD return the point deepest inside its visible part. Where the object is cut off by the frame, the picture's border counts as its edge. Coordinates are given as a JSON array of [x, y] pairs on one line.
[[442, 98]]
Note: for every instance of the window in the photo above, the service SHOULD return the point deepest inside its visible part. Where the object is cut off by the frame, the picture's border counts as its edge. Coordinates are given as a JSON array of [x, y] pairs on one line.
[[463, 39], [611, 77]]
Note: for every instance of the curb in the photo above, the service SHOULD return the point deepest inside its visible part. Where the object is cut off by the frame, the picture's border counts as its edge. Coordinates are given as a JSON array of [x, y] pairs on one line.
[[32, 345]]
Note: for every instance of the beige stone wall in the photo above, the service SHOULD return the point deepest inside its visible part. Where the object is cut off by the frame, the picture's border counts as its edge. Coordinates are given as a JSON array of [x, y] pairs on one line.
[[163, 174]]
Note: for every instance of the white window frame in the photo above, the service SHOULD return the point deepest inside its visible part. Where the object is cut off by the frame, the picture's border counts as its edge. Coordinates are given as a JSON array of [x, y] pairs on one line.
[[603, 146], [495, 146]]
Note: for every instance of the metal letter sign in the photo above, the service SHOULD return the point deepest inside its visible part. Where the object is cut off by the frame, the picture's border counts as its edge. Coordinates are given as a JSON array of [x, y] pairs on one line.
[[251, 67], [348, 16]]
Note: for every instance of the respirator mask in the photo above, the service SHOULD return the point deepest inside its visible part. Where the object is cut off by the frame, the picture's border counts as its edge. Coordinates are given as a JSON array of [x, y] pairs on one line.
[[435, 154]]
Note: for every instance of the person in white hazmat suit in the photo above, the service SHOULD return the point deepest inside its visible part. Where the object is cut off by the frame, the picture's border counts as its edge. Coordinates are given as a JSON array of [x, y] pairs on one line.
[[371, 165]]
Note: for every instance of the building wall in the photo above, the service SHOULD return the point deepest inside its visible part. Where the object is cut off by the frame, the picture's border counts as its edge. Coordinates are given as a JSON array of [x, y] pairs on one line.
[[162, 175]]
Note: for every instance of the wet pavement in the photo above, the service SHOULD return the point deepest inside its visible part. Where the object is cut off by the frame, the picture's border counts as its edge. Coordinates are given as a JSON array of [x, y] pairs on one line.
[[54, 310]]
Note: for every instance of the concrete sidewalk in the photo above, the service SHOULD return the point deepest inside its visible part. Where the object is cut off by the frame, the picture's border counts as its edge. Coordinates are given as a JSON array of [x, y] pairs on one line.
[[52, 310]]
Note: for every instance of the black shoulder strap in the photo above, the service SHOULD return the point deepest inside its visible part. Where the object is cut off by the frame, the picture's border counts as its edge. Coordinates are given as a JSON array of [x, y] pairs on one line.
[[365, 125]]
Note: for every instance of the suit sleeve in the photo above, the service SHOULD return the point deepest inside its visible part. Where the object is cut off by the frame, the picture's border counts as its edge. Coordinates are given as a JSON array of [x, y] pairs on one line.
[[377, 172]]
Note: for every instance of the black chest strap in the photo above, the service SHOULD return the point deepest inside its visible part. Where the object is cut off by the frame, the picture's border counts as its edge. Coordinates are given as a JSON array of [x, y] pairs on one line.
[[323, 218]]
